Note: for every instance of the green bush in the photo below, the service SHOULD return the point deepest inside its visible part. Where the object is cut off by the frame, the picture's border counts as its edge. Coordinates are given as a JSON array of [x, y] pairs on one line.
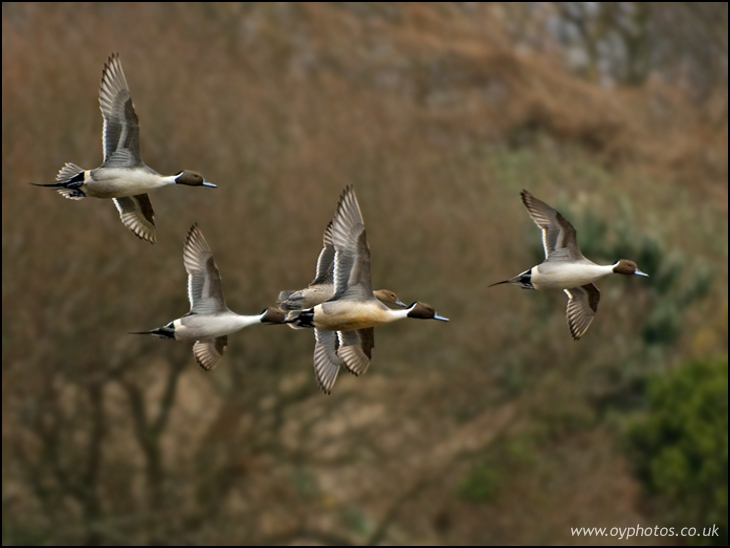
[[681, 447], [481, 483]]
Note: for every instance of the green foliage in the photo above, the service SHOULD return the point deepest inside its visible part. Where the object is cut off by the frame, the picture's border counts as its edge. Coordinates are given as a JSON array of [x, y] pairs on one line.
[[680, 447], [481, 483], [664, 324], [304, 483], [491, 469]]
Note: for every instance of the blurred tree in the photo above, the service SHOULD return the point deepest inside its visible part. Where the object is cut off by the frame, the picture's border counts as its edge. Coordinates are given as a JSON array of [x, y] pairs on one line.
[[680, 447], [627, 41]]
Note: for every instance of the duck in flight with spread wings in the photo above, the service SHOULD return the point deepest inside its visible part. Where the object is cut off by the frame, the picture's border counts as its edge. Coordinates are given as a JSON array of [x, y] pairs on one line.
[[209, 321], [566, 268], [123, 176], [343, 325]]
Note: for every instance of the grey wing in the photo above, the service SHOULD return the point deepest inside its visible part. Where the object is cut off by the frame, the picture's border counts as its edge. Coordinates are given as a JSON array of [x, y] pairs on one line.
[[325, 261], [326, 361], [137, 215], [582, 308], [205, 290], [321, 287], [208, 352], [120, 134], [355, 349], [284, 298], [352, 252], [558, 235]]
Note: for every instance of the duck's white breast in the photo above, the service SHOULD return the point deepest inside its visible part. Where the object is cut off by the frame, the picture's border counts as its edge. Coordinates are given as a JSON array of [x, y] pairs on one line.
[[116, 182], [564, 275], [200, 326]]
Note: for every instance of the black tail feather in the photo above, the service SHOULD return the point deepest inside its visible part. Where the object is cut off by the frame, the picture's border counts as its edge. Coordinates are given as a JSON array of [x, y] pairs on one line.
[[162, 332], [301, 318]]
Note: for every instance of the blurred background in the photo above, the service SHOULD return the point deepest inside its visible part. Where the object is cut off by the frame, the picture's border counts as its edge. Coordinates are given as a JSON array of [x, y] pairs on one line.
[[496, 428]]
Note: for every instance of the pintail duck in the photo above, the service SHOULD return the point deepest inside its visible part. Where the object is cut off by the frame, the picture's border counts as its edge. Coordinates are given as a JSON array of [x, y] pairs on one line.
[[209, 321], [322, 287], [123, 176], [566, 268], [343, 325]]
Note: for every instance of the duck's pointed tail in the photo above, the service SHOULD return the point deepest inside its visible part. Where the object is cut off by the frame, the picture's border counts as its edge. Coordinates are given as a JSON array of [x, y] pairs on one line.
[[68, 182], [69, 175], [163, 332]]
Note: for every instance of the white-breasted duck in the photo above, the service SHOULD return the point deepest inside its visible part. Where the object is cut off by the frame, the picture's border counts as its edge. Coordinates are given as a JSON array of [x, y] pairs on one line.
[[566, 268], [209, 321], [123, 176]]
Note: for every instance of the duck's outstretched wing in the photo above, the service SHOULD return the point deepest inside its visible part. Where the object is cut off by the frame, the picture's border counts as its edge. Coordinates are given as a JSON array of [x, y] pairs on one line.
[[558, 235], [582, 307]]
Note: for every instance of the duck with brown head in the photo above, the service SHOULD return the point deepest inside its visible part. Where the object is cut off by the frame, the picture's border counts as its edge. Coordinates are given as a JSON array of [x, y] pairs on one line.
[[565, 268], [123, 176], [344, 324], [209, 321]]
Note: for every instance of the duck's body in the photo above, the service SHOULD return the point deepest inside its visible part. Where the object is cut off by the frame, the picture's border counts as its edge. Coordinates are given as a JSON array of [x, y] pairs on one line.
[[123, 176], [305, 298], [318, 294], [347, 315], [118, 182], [196, 326], [565, 268], [344, 323], [550, 276], [209, 321]]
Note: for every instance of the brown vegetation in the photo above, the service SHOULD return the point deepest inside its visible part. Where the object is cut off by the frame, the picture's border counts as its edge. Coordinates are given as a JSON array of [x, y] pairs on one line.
[[439, 113]]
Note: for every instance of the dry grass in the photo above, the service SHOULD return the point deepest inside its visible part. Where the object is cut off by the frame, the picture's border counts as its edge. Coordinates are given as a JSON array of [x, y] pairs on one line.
[[439, 127]]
